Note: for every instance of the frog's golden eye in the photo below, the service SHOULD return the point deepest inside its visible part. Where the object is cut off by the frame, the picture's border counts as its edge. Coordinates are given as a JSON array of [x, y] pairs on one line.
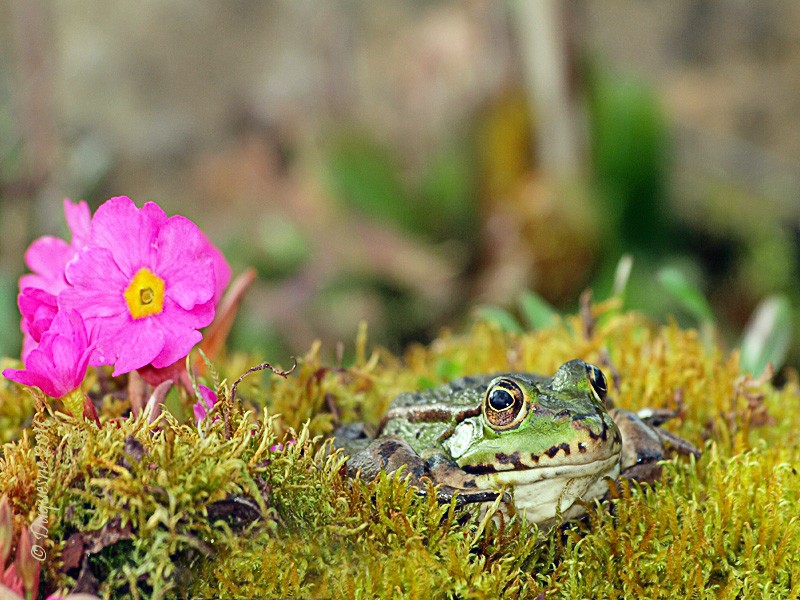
[[598, 381], [504, 406]]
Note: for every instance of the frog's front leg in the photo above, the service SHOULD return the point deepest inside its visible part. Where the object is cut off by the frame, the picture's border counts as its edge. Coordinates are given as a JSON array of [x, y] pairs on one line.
[[453, 480], [392, 452], [387, 454], [644, 444]]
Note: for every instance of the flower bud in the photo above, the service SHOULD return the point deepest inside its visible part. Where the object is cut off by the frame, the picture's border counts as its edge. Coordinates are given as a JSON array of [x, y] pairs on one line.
[[27, 566], [6, 531]]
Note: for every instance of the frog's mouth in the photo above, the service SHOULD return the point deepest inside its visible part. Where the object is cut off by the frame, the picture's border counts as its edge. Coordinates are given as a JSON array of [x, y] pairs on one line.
[[558, 461], [524, 474]]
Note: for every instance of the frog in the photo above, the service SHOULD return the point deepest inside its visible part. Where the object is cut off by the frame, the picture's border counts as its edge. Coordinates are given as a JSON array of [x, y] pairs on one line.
[[546, 446]]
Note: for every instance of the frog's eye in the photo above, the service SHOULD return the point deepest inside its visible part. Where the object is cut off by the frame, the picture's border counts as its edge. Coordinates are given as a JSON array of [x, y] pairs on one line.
[[598, 381], [504, 406]]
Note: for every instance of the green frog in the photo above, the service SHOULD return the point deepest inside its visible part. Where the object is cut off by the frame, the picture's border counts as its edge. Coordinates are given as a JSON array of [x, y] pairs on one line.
[[547, 445]]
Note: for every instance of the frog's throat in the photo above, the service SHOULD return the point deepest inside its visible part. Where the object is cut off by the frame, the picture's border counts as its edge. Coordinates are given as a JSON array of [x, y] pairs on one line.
[[555, 499]]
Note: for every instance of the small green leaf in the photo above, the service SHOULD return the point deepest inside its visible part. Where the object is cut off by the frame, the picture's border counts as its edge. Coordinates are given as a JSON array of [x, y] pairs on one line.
[[767, 335], [500, 317], [364, 175], [447, 369], [622, 275], [686, 293], [536, 311], [425, 383]]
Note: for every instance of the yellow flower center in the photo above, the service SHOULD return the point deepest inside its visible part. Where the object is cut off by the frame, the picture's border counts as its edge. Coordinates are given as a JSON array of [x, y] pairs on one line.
[[145, 294]]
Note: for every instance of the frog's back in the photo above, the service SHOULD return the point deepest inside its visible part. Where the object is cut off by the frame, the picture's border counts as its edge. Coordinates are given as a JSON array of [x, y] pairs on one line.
[[465, 391], [458, 393]]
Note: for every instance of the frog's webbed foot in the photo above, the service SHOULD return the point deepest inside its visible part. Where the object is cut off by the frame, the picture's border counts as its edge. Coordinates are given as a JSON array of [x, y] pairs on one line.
[[674, 444], [656, 416], [644, 443]]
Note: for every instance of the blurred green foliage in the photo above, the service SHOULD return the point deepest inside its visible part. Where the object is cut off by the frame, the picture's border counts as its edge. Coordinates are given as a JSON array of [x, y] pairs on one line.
[[629, 143], [674, 281], [363, 174], [10, 169], [705, 263], [278, 249], [437, 202], [9, 317], [767, 337], [764, 343]]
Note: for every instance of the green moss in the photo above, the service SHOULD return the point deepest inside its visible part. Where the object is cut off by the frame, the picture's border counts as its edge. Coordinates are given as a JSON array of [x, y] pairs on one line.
[[198, 514], [16, 407]]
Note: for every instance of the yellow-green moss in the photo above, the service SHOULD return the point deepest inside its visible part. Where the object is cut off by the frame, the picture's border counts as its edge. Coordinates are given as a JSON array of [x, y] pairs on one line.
[[726, 526], [16, 407]]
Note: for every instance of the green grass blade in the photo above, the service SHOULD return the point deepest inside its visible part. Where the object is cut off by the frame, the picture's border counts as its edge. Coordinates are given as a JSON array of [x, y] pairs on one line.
[[686, 293], [536, 311], [767, 335]]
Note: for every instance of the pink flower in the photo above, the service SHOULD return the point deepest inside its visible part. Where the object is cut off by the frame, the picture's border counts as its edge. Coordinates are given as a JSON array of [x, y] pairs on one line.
[[58, 365], [222, 271], [144, 282], [204, 405], [38, 308], [48, 256], [279, 447]]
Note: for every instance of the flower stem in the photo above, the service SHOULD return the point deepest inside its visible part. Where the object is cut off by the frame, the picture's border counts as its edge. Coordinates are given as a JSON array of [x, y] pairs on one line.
[[74, 402], [80, 405]]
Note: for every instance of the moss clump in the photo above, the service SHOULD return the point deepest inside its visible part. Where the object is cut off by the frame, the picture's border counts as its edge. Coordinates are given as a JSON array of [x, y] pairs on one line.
[[165, 510], [16, 408]]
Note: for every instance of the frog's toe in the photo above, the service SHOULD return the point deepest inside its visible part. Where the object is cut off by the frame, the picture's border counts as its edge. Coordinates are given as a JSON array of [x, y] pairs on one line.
[[647, 472], [644, 445], [674, 444], [445, 494]]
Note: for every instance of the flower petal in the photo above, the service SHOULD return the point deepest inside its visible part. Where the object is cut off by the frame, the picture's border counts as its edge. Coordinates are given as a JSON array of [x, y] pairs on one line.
[[26, 377], [129, 233], [65, 357], [204, 403], [38, 309], [185, 263], [105, 332], [222, 270], [58, 364], [207, 396], [79, 221], [46, 257], [180, 330], [136, 345], [28, 345], [97, 284], [199, 411]]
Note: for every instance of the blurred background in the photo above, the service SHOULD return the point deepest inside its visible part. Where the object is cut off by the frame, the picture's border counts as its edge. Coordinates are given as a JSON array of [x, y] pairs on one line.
[[409, 163]]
